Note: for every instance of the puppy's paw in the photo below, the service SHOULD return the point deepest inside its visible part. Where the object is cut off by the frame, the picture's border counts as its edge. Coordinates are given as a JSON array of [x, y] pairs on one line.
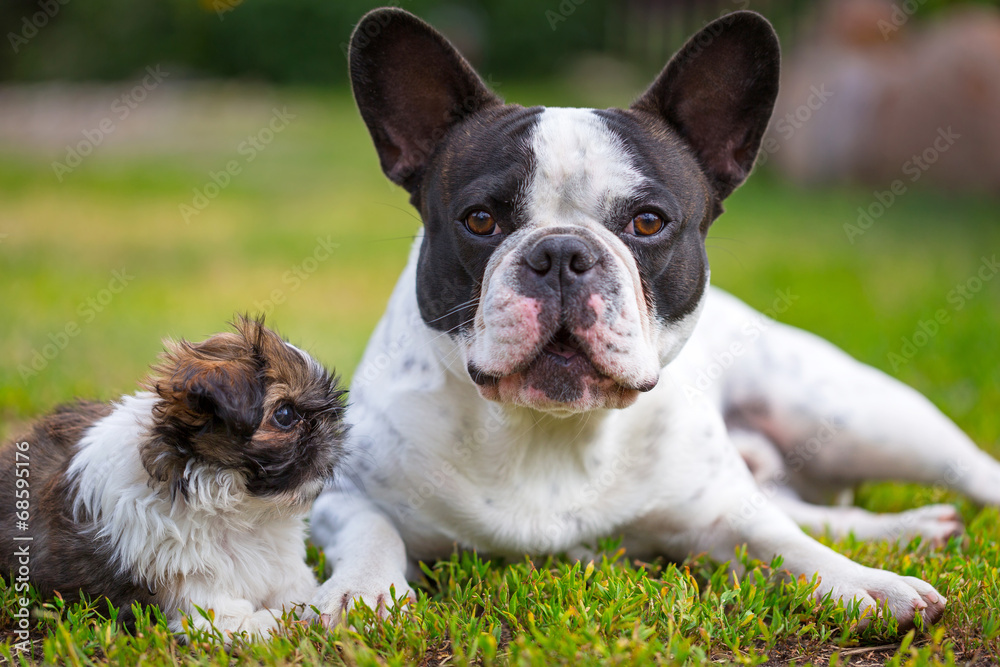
[[905, 597], [340, 593], [260, 624], [240, 620]]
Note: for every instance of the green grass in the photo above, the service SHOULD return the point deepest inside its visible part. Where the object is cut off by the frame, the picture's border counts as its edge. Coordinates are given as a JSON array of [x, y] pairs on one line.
[[319, 179]]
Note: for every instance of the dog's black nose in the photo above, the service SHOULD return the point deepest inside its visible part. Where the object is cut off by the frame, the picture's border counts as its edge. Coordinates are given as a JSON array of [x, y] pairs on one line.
[[569, 255]]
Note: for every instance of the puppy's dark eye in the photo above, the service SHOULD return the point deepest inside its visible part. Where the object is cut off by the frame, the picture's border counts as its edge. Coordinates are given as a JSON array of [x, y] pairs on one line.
[[285, 416], [645, 224], [481, 223]]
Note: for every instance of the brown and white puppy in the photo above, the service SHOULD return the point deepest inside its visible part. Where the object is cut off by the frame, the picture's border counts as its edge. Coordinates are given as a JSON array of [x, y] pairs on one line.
[[191, 492]]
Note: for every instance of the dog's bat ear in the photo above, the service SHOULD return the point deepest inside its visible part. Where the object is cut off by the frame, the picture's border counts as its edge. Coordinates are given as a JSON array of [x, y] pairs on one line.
[[411, 87], [718, 92]]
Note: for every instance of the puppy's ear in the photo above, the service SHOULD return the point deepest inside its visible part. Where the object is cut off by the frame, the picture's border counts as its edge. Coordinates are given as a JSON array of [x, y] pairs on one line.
[[411, 87], [210, 393], [718, 92], [216, 380]]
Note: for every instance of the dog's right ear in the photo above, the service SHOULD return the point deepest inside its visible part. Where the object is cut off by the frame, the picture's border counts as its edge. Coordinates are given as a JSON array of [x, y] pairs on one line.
[[718, 92], [411, 87]]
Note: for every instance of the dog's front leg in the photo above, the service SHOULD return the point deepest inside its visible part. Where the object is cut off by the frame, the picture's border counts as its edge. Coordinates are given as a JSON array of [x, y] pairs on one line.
[[725, 509], [365, 555], [771, 532]]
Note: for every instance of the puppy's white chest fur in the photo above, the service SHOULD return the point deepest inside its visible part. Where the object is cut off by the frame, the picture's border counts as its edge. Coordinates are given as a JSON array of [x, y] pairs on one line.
[[214, 545]]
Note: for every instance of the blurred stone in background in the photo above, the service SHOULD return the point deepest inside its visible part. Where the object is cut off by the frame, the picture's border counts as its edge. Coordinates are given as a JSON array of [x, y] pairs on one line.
[[874, 91], [905, 99]]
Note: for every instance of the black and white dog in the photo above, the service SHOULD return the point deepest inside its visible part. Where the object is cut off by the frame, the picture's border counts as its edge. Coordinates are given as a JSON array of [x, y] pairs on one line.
[[533, 385]]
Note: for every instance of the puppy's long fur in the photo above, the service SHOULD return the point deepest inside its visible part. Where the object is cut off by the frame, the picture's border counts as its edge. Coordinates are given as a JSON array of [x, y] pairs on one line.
[[191, 492]]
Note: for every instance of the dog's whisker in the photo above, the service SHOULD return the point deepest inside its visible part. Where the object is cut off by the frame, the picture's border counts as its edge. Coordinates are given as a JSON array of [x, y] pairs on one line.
[[468, 304], [409, 213]]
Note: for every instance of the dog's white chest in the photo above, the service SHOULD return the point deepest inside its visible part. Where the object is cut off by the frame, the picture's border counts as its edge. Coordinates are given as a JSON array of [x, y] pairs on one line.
[[540, 504], [513, 484]]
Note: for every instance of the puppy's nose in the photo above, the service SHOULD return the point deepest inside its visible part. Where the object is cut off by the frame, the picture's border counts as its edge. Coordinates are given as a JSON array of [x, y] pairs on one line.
[[569, 255]]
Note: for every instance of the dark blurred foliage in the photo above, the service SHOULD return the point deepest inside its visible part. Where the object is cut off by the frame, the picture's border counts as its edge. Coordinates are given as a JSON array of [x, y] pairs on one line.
[[304, 41]]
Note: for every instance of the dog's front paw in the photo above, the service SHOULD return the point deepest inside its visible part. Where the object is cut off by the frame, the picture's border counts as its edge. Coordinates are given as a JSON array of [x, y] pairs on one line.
[[905, 597], [340, 593]]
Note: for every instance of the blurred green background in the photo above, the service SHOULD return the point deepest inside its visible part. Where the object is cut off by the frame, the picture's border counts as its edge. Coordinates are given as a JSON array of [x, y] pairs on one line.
[[304, 41], [262, 241], [297, 41]]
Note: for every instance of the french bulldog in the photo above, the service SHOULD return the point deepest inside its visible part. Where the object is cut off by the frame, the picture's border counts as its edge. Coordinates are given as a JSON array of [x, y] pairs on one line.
[[552, 366]]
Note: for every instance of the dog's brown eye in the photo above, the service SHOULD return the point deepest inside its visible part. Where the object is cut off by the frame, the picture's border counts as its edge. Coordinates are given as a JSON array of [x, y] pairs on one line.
[[645, 224], [481, 223], [285, 416]]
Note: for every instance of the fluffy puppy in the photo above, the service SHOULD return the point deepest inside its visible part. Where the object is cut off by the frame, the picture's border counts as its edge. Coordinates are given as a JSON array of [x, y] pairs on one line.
[[191, 492]]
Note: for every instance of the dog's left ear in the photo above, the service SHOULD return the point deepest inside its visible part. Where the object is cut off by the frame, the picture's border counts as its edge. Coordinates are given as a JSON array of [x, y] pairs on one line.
[[718, 92], [411, 87]]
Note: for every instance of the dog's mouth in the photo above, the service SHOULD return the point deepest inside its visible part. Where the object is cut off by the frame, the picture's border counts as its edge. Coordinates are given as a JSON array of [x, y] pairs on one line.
[[563, 355], [561, 377], [563, 348]]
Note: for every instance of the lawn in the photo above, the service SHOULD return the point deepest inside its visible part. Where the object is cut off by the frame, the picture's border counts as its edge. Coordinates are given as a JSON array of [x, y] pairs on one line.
[[96, 269]]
